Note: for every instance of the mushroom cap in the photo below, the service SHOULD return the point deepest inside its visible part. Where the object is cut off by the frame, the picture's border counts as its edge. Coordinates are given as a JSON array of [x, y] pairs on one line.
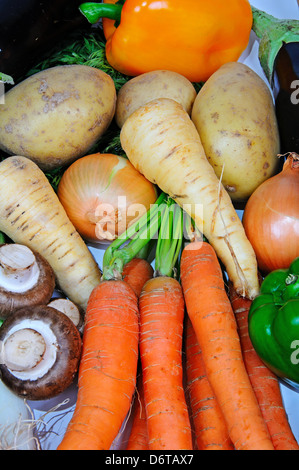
[[41, 293], [69, 308], [63, 352]]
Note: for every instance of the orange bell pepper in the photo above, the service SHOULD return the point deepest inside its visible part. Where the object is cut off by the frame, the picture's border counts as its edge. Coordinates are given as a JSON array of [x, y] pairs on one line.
[[191, 37], [109, 24]]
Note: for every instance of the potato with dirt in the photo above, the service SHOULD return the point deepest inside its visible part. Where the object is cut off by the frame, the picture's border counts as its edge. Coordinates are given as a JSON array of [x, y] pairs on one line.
[[152, 85], [55, 116], [235, 117]]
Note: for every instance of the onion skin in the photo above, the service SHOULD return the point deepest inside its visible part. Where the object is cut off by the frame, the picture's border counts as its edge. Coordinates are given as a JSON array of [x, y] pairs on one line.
[[271, 218], [91, 190]]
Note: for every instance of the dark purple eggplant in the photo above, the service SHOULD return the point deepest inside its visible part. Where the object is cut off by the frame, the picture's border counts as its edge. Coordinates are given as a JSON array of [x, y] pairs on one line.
[[279, 58], [28, 28], [286, 92]]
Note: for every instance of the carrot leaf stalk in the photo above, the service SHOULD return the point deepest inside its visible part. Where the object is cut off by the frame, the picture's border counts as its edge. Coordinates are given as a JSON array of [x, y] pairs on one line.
[[135, 239], [170, 240]]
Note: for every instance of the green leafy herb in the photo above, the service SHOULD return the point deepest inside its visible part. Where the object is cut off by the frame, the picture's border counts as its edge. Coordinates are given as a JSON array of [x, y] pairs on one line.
[[54, 177], [83, 49], [110, 142]]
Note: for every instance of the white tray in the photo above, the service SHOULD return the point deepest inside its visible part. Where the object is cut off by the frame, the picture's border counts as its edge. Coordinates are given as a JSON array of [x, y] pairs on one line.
[[55, 422]]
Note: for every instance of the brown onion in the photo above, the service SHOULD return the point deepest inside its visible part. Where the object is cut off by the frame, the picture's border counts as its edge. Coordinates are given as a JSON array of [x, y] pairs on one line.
[[271, 218], [102, 194]]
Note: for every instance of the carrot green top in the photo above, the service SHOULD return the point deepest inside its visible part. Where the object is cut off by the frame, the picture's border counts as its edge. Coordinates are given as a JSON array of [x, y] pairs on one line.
[[165, 224], [133, 241], [170, 239]]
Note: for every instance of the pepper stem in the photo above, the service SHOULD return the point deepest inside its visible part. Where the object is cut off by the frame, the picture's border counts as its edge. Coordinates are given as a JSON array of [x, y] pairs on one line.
[[93, 12], [273, 34], [291, 279]]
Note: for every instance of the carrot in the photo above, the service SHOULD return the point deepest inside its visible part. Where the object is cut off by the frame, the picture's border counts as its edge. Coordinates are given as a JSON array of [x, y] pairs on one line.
[[264, 382], [208, 423], [161, 317], [138, 439], [213, 320], [31, 214], [108, 368], [163, 144], [161, 309], [136, 272]]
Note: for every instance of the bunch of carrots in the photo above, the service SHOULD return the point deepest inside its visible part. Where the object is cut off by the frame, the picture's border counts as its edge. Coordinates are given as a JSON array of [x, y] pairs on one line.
[[170, 349]]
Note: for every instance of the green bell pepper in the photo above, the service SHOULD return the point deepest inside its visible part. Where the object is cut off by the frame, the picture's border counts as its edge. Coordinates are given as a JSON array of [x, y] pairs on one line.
[[273, 323]]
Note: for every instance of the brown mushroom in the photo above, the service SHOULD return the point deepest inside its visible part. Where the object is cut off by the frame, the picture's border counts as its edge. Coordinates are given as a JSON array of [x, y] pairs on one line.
[[26, 278], [40, 352], [70, 309]]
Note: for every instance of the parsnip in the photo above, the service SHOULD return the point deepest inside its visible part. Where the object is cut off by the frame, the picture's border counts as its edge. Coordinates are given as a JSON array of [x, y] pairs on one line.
[[31, 214], [162, 143]]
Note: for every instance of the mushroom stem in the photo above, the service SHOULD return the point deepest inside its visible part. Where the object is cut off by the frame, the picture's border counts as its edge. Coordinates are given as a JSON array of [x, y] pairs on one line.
[[29, 349], [24, 349], [45, 346], [19, 270]]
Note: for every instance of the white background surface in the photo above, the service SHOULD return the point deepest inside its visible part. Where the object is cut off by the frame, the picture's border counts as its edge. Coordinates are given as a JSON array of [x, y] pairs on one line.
[[55, 422]]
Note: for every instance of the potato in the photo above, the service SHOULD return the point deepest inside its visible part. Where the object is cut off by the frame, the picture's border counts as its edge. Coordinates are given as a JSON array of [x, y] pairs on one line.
[[152, 85], [55, 116], [235, 118]]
